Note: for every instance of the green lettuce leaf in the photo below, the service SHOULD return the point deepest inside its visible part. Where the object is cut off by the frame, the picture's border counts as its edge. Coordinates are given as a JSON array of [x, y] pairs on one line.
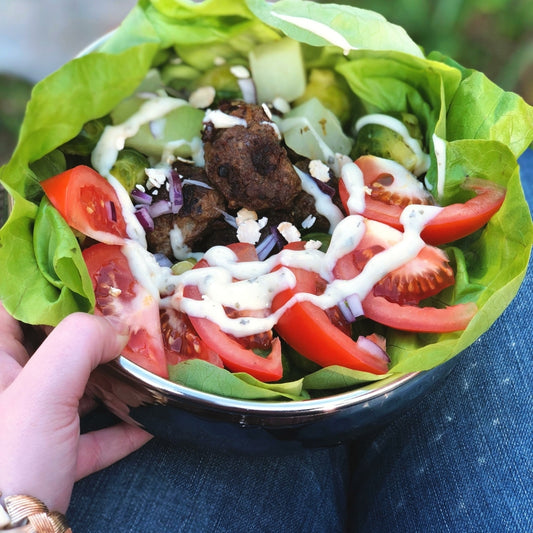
[[203, 376], [338, 378], [484, 129]]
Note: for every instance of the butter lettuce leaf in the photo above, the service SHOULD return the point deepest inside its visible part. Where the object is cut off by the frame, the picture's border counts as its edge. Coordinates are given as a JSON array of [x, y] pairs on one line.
[[204, 376]]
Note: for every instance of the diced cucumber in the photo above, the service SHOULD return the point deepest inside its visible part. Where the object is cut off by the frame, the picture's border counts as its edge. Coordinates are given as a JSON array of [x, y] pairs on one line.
[[183, 123], [315, 132], [278, 70]]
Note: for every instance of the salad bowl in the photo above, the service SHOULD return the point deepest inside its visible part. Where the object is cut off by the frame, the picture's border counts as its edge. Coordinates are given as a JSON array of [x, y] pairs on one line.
[[466, 125], [188, 416]]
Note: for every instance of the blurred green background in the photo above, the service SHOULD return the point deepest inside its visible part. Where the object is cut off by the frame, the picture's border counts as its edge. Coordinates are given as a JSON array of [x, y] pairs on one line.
[[493, 36]]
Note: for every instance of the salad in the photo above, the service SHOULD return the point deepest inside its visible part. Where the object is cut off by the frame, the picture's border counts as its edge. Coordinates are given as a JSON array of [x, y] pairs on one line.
[[282, 200]]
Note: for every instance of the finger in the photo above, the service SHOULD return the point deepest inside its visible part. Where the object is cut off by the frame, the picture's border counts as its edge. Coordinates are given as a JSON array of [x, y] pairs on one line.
[[87, 404], [11, 338], [63, 363], [100, 449], [9, 370]]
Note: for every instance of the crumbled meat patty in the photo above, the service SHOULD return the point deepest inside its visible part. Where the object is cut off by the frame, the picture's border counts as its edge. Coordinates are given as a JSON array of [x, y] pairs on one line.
[[201, 206], [248, 165], [302, 206]]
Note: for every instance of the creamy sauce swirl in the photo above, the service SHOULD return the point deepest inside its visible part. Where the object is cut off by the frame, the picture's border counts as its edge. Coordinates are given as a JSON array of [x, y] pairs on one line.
[[250, 286], [318, 28]]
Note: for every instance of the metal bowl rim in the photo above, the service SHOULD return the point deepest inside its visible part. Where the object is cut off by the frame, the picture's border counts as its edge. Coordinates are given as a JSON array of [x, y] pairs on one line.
[[169, 389]]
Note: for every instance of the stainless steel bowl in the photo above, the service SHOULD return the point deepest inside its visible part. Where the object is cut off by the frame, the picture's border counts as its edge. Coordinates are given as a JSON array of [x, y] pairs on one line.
[[183, 415]]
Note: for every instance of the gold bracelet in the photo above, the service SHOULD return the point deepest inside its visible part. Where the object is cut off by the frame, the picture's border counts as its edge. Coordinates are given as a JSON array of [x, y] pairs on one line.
[[26, 514]]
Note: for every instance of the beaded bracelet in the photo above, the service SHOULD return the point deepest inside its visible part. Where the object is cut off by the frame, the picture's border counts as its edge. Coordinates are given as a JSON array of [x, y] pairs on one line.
[[26, 514]]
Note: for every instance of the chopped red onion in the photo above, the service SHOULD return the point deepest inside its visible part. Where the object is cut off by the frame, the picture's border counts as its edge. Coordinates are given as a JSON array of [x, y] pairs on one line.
[[280, 240], [162, 260], [175, 192], [371, 347], [161, 207], [198, 183], [351, 307], [111, 211], [266, 246], [141, 197], [324, 187], [145, 219], [247, 86], [230, 219], [176, 344]]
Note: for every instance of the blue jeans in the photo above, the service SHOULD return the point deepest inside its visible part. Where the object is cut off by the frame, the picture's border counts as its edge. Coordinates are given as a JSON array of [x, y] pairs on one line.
[[459, 461]]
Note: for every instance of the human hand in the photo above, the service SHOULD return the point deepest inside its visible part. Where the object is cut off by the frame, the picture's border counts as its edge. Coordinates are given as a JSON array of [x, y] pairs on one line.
[[41, 450]]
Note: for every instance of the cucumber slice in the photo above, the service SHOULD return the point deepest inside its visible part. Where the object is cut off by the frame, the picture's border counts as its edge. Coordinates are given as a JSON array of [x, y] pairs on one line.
[[315, 132], [278, 70]]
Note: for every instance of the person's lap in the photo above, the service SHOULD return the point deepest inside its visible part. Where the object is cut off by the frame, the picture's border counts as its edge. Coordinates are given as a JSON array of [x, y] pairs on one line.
[[165, 487], [460, 460]]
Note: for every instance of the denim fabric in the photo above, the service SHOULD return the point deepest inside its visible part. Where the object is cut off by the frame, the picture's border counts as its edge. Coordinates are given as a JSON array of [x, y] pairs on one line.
[[459, 461], [162, 488]]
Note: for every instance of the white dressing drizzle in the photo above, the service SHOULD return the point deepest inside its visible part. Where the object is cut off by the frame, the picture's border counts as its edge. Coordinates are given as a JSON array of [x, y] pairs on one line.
[[177, 244], [440, 154], [423, 159], [318, 28], [134, 228], [145, 269], [253, 285], [345, 239], [354, 181], [113, 138], [323, 202], [414, 218], [223, 120]]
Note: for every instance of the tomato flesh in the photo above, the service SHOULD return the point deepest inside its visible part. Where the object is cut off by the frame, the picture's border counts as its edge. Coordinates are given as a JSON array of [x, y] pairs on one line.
[[425, 275], [418, 319], [181, 341], [407, 317], [120, 295], [309, 330], [88, 203], [235, 353], [454, 222]]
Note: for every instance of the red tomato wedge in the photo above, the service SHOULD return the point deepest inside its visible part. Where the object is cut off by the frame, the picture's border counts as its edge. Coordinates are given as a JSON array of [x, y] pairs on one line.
[[120, 295], [419, 319], [88, 203], [423, 276], [309, 330], [455, 221], [181, 341], [407, 317], [233, 352]]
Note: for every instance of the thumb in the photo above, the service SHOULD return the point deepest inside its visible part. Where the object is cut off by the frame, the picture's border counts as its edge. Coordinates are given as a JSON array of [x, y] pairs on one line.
[[64, 361]]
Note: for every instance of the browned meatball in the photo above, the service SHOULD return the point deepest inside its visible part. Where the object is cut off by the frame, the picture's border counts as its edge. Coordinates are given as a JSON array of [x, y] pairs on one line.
[[248, 164], [201, 206]]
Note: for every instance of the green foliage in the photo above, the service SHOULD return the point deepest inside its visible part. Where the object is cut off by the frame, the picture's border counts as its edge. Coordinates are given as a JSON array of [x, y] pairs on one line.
[[493, 36]]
